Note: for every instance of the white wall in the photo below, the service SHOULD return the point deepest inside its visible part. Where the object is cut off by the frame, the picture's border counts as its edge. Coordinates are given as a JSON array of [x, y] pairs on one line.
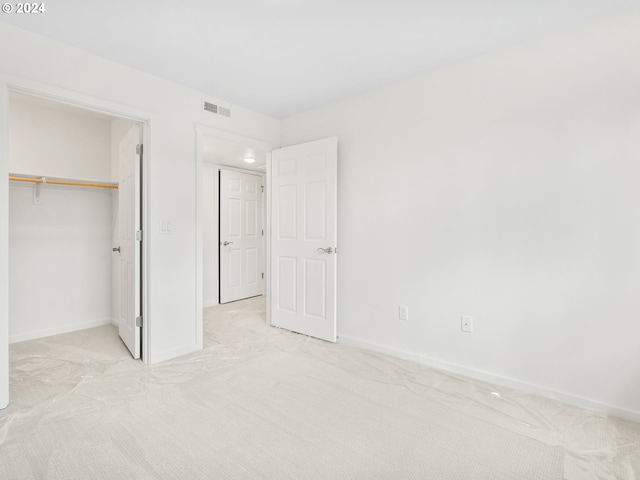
[[57, 141], [60, 260], [37, 63], [210, 234], [506, 188]]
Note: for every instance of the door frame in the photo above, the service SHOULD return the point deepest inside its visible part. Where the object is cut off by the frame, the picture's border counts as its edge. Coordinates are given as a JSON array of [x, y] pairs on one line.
[[205, 131], [15, 84]]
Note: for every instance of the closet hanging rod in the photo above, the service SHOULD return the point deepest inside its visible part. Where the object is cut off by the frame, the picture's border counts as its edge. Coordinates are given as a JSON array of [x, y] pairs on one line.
[[61, 181]]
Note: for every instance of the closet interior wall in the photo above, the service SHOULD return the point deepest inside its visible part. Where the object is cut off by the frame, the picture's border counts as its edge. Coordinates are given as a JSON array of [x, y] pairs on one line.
[[61, 264]]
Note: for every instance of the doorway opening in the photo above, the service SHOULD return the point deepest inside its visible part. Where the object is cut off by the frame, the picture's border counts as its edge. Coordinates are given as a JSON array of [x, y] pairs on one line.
[[69, 221], [234, 219], [300, 212]]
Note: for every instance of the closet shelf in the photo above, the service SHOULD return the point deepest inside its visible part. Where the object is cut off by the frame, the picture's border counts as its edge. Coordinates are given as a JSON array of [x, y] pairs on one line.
[[60, 181]]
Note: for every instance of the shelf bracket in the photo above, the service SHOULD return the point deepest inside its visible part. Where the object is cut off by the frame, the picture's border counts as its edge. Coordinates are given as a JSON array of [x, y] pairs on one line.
[[36, 192]]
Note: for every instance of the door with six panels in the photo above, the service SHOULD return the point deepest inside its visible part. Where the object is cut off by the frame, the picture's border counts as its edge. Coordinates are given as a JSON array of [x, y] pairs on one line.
[[241, 236], [303, 192]]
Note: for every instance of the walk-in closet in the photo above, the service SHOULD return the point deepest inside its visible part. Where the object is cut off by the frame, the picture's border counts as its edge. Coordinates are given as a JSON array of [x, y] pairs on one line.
[[63, 217]]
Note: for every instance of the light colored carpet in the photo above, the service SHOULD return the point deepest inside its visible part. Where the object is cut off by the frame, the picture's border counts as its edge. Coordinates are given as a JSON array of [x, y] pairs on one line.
[[261, 403]]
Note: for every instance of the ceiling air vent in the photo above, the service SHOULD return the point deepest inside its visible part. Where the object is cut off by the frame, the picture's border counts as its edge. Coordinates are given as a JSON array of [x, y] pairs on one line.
[[213, 108]]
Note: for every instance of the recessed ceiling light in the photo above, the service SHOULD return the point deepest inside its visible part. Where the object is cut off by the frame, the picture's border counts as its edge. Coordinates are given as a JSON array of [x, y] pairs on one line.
[[249, 159]]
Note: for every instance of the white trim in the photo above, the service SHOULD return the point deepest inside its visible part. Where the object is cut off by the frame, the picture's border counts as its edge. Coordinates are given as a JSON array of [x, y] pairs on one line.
[[210, 304], [146, 242], [178, 352], [267, 233], [12, 83], [73, 99], [520, 386], [257, 173], [199, 249], [201, 131], [75, 327], [235, 138], [4, 246]]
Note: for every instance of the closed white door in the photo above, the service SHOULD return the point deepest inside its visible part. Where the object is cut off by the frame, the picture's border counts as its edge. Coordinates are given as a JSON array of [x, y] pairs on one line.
[[303, 192], [130, 246], [241, 236]]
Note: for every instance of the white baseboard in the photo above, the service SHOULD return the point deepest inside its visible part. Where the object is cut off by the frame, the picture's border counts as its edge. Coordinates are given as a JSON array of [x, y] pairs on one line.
[[518, 385], [74, 327], [210, 304], [174, 353]]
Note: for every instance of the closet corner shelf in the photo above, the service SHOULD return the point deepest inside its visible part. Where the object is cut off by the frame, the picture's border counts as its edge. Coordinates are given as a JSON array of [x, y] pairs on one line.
[[59, 181]]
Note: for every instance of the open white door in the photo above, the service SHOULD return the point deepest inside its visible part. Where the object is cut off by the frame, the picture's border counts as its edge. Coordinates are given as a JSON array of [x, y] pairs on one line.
[[130, 240], [303, 233], [241, 236]]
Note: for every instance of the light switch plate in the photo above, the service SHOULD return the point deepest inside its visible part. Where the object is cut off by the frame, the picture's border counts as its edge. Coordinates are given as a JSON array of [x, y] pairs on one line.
[[467, 323]]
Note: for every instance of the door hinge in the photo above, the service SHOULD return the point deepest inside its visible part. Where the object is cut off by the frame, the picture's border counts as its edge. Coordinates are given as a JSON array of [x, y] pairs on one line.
[[139, 236], [263, 233], [138, 321], [139, 149], [262, 187], [262, 274]]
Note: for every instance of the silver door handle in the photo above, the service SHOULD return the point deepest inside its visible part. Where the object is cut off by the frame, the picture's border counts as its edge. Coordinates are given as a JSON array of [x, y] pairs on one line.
[[225, 243], [116, 249], [326, 250]]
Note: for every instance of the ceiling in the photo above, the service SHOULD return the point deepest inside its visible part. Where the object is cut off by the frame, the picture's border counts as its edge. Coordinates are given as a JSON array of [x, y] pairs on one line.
[[229, 154], [281, 57]]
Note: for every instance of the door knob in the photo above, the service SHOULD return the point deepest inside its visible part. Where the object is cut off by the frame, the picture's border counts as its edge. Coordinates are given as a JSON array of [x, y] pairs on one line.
[[326, 250], [225, 243], [116, 249]]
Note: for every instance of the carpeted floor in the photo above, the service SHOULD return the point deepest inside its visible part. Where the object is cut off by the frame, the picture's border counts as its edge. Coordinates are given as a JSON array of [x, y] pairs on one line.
[[263, 403]]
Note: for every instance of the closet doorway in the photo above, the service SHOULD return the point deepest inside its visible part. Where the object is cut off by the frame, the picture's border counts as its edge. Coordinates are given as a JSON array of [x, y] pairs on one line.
[[75, 221]]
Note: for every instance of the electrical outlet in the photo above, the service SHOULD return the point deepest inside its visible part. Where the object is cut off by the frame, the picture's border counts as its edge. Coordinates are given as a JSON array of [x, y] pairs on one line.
[[403, 312], [467, 323]]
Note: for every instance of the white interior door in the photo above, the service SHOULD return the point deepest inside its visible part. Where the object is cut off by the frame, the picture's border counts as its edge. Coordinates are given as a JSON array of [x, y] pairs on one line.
[[241, 236], [303, 233], [129, 214]]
